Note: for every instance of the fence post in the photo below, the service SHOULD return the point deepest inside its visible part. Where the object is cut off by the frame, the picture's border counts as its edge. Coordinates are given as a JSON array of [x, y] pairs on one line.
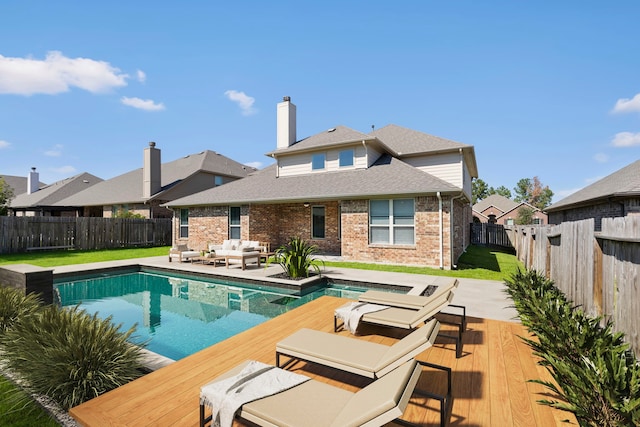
[[597, 276]]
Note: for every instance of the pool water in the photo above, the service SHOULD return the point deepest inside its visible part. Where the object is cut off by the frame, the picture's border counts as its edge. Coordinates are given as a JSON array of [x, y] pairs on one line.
[[179, 315]]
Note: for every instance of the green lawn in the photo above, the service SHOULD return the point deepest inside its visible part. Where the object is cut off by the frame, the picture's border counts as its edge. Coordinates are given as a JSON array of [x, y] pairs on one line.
[[18, 410], [477, 263]]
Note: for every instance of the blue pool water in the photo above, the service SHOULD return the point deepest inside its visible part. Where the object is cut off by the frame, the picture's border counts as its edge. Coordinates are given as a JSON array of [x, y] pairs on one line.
[[179, 315]]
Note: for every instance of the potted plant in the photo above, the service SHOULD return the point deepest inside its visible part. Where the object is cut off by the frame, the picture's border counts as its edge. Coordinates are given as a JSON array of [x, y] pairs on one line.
[[296, 258]]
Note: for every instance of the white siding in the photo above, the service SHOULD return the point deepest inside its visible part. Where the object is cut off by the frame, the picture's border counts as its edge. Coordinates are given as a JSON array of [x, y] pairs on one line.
[[448, 167], [467, 182], [299, 164]]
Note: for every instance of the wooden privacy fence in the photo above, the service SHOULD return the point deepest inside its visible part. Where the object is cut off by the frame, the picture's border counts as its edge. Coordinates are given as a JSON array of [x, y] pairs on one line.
[[483, 233], [23, 234], [599, 271]]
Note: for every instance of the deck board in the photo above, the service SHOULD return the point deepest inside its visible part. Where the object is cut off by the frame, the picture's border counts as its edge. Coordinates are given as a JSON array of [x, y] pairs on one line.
[[489, 381]]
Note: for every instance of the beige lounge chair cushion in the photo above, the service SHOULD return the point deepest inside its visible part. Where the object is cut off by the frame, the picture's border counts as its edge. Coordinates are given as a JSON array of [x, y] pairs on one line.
[[407, 318], [414, 302], [361, 357], [316, 404]]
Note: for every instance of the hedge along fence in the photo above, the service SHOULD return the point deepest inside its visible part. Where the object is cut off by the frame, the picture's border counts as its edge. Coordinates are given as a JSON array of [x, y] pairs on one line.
[[600, 271], [23, 234]]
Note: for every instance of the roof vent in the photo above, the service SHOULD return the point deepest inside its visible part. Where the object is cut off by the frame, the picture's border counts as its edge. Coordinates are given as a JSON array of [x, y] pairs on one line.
[[331, 130]]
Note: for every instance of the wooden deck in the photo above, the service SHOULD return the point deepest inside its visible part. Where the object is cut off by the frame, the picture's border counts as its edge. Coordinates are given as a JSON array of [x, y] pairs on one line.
[[490, 385]]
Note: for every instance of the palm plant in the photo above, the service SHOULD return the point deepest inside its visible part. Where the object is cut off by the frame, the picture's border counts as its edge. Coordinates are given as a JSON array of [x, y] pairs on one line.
[[297, 257]]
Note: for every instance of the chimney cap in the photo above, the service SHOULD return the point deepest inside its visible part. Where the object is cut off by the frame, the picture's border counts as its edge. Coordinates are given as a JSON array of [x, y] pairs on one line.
[[33, 168], [152, 144], [286, 98]]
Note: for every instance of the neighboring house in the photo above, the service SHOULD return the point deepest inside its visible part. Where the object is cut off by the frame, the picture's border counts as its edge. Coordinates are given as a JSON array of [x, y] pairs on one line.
[[143, 191], [20, 184], [394, 195], [42, 201], [615, 195], [497, 209]]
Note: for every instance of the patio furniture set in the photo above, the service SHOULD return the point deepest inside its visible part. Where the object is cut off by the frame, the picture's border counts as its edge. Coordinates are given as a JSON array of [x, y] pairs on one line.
[[230, 251], [268, 395]]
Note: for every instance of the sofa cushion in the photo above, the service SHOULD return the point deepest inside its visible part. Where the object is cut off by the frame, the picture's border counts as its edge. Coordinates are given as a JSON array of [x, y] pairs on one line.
[[183, 248]]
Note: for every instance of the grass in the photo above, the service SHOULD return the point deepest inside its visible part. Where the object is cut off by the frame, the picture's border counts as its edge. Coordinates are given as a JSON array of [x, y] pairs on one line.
[[57, 258], [16, 413], [476, 263]]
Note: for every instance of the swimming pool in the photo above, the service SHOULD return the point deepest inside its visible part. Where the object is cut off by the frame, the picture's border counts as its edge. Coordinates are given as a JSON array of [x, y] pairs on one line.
[[178, 314]]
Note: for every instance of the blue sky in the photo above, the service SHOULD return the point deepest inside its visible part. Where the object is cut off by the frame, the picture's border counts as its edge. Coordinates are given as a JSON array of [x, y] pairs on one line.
[[545, 88]]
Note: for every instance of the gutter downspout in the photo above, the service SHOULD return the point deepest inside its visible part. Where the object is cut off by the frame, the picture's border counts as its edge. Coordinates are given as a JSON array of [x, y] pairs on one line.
[[440, 214], [366, 155]]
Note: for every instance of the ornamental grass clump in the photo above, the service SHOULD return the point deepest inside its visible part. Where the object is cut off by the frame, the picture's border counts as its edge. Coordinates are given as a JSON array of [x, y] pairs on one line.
[[596, 375], [297, 257], [15, 305], [69, 355]]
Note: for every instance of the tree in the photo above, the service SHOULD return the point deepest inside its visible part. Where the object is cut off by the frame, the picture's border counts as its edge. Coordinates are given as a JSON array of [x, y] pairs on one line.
[[502, 191], [531, 191], [525, 215], [479, 190], [6, 194]]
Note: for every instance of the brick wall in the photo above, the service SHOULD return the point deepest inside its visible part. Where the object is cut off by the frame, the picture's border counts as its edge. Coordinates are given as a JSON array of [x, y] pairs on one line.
[[597, 211]]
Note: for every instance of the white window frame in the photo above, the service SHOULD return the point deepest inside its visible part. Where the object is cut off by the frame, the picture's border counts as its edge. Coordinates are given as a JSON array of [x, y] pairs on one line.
[[184, 223], [318, 156], [233, 226], [391, 224]]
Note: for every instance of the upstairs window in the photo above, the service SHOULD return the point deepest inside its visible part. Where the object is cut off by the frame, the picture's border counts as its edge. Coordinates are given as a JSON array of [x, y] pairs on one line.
[[217, 180], [392, 222], [345, 158], [234, 222], [184, 223], [318, 161]]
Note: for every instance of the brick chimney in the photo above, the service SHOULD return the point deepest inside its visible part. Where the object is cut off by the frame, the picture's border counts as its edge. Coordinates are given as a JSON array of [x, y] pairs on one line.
[[33, 181], [151, 177], [286, 125]]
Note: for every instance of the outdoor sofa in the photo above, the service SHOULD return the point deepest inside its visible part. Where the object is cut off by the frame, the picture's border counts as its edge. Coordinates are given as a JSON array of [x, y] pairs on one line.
[[236, 250], [182, 253]]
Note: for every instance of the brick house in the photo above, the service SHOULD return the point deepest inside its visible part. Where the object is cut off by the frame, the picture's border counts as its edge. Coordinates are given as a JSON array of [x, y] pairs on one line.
[[497, 209], [394, 195], [615, 195], [143, 191]]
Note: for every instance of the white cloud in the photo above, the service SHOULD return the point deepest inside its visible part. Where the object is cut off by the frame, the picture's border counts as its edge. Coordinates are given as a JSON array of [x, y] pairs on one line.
[[626, 139], [601, 158], [4, 144], [142, 77], [244, 101], [256, 165], [625, 105], [56, 151], [57, 74], [66, 170], [142, 104]]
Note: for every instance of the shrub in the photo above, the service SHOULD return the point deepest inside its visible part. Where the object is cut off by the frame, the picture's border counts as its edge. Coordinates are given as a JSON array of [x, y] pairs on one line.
[[597, 376], [15, 305], [69, 355], [296, 258]]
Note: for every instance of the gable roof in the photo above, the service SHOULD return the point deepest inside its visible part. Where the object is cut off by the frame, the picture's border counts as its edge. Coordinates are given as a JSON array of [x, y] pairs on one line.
[[388, 176], [50, 194], [340, 135], [19, 183], [623, 183], [127, 188], [499, 202]]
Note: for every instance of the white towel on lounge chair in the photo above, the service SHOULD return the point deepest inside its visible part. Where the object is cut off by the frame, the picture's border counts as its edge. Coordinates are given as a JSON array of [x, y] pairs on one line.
[[255, 381], [351, 313]]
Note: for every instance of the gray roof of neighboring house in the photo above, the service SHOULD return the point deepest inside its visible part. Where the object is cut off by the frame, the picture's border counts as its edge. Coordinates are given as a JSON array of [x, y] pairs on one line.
[[127, 188], [623, 183], [51, 194], [496, 200], [386, 177], [18, 183]]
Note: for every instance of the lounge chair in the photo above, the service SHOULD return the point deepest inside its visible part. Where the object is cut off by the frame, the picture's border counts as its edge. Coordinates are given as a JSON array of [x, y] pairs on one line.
[[317, 404], [408, 318], [353, 355], [182, 253]]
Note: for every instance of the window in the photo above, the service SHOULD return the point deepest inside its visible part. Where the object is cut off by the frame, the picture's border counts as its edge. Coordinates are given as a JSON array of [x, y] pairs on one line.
[[537, 221], [346, 158], [509, 221], [217, 180], [234, 222], [317, 222], [391, 222], [184, 223], [317, 161]]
